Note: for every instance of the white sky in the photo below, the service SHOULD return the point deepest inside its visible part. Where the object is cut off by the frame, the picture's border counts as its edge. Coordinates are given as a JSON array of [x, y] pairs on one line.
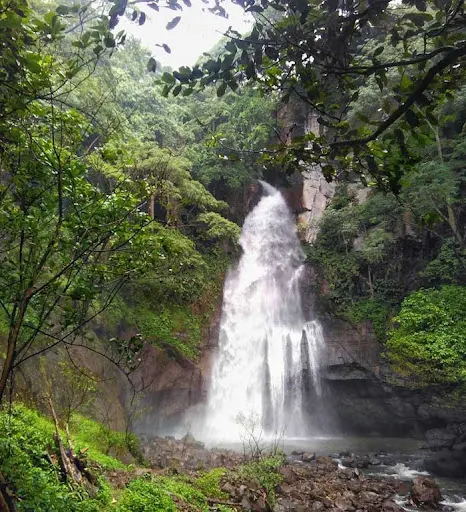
[[197, 31]]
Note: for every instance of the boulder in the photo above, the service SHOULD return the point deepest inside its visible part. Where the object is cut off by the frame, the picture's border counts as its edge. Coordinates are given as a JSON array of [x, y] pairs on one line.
[[449, 463], [439, 438], [308, 457], [460, 447], [391, 506], [343, 503], [327, 463], [425, 492]]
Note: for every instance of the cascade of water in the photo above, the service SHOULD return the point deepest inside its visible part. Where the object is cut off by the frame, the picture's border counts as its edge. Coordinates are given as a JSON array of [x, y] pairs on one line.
[[268, 353]]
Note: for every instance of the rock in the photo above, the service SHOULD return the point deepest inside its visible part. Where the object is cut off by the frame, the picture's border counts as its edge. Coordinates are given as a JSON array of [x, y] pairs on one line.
[[368, 497], [343, 503], [374, 461], [317, 506], [447, 463], [438, 438], [425, 492], [228, 488], [359, 462], [326, 462], [284, 505], [297, 453], [460, 447], [308, 457], [391, 506], [245, 503], [259, 505], [289, 476]]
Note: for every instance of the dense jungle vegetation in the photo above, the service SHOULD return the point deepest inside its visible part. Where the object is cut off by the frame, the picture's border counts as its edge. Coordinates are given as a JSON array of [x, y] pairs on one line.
[[121, 194]]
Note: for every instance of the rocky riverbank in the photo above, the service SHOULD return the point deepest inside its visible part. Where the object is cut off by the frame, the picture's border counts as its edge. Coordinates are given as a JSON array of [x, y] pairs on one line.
[[300, 482]]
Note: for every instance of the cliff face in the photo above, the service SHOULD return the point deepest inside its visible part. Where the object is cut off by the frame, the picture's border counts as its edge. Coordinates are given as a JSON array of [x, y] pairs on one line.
[[365, 396]]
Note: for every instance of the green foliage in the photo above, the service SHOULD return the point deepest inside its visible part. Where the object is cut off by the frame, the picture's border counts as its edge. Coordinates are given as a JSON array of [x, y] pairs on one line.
[[172, 311], [428, 342], [99, 441], [160, 494], [26, 438], [220, 228], [265, 473], [411, 57], [145, 496], [174, 328], [376, 312], [209, 483], [184, 491], [448, 267]]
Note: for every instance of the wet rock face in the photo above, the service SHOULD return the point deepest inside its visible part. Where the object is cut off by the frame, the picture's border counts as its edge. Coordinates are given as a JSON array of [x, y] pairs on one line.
[[366, 398], [449, 447], [448, 463], [316, 195], [425, 492]]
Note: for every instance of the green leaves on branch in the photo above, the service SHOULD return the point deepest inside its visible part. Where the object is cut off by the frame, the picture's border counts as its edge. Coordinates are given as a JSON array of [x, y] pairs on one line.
[[427, 343]]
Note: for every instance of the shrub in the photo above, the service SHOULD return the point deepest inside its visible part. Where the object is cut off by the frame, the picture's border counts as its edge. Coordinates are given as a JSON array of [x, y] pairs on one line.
[[145, 496], [99, 440], [265, 473], [428, 338], [209, 483], [26, 439], [374, 311]]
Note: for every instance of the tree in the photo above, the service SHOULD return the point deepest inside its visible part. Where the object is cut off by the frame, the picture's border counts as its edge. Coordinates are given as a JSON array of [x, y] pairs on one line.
[[65, 242], [77, 220], [320, 53]]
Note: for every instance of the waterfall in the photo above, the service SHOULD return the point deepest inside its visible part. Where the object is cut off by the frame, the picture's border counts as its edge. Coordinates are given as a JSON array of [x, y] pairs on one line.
[[267, 361]]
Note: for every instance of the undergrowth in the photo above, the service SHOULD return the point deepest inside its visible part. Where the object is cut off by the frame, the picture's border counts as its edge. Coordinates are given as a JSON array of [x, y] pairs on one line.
[[29, 464], [26, 450]]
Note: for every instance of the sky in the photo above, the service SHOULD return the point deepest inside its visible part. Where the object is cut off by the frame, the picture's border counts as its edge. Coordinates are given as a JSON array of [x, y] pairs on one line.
[[196, 33]]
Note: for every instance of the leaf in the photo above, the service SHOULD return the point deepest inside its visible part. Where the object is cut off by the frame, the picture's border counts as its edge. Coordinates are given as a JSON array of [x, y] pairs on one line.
[[173, 23], [152, 65], [142, 18], [187, 3], [166, 90], [177, 90], [134, 16], [109, 40], [379, 83], [166, 48], [277, 7], [168, 78], [254, 8], [63, 10], [378, 50], [230, 47], [221, 90], [406, 82], [154, 6], [250, 70], [412, 118]]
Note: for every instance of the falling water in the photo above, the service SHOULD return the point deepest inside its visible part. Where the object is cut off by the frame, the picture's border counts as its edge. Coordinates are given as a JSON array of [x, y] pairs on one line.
[[268, 354]]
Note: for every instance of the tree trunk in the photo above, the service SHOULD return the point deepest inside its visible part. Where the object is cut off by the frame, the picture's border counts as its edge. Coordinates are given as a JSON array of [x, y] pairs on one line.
[[12, 342], [7, 502]]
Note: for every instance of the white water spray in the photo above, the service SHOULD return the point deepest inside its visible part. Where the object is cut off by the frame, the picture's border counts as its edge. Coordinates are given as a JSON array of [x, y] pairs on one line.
[[268, 354]]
